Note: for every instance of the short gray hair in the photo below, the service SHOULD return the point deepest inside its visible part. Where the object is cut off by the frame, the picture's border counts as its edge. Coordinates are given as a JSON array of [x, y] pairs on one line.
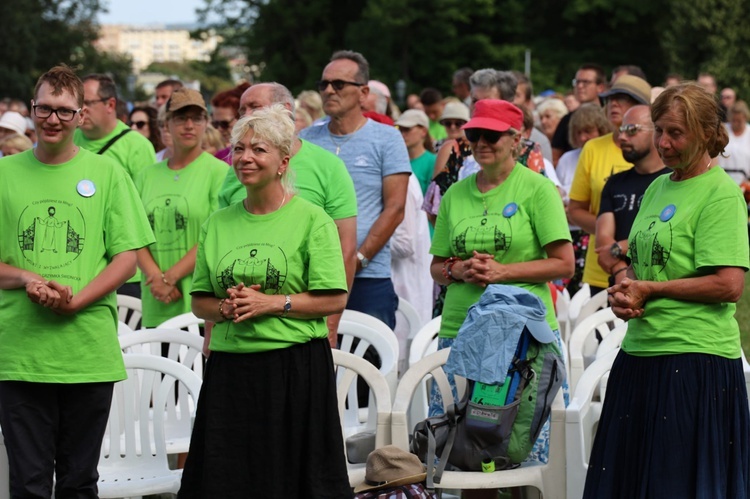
[[363, 67], [281, 95], [504, 81], [381, 101]]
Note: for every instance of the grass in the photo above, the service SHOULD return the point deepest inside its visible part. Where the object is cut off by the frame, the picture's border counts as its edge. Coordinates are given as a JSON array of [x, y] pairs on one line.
[[743, 316]]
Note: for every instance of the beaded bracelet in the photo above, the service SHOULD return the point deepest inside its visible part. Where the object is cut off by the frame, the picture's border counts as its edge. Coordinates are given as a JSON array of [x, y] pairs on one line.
[[448, 268], [221, 307]]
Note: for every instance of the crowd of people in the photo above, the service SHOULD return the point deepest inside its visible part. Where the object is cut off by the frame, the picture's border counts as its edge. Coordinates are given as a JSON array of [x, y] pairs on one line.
[[267, 215]]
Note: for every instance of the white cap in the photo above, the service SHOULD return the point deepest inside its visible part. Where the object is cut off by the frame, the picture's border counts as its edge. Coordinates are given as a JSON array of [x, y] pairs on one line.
[[13, 121]]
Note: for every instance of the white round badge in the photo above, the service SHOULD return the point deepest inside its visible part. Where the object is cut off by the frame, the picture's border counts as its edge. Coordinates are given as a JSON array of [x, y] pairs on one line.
[[86, 188]]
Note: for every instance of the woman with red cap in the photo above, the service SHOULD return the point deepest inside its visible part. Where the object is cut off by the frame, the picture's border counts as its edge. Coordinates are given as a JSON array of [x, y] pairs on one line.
[[503, 225]]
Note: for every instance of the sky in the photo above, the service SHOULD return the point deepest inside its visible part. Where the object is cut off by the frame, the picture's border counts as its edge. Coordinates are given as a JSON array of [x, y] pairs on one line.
[[150, 11]]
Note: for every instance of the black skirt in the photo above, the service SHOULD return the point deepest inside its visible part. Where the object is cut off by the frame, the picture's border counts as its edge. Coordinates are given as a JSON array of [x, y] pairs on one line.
[[672, 426], [267, 425]]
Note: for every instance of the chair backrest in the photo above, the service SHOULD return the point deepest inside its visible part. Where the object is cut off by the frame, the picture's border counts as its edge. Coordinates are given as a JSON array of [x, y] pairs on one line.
[[576, 302], [123, 328], [175, 344], [596, 302], [613, 340], [349, 368], [583, 342], [425, 341], [562, 311], [135, 436], [359, 331], [407, 314], [188, 322], [581, 420], [129, 311]]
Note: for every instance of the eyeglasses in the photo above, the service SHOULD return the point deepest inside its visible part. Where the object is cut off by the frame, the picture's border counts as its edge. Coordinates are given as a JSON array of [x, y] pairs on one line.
[[633, 129], [404, 129], [585, 83], [138, 124], [63, 114], [223, 124], [490, 136], [94, 101], [453, 123], [181, 119], [337, 85]]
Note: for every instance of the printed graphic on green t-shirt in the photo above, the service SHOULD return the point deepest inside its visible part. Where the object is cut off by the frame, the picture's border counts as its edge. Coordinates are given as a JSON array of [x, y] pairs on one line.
[[256, 263], [51, 233]]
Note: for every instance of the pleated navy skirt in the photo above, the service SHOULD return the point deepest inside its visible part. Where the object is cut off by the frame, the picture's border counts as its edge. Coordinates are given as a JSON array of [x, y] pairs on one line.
[[673, 426], [267, 426]]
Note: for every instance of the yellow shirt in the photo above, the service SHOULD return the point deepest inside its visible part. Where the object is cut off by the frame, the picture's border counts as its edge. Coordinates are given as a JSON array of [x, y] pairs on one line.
[[600, 159]]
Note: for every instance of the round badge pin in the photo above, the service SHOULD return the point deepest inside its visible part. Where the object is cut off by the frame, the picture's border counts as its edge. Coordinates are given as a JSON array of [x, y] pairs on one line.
[[667, 213], [510, 210], [86, 188]]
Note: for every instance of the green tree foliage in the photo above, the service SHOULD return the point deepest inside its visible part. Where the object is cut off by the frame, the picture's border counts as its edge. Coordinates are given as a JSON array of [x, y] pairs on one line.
[[424, 41], [39, 34]]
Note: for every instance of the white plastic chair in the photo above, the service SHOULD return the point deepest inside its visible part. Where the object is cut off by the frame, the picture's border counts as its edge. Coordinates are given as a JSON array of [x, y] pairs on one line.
[[134, 454], [549, 478], [583, 343], [123, 328], [348, 368], [129, 311], [187, 321], [596, 302], [581, 421], [562, 312], [185, 348], [576, 302], [408, 314], [612, 341], [370, 331], [424, 343]]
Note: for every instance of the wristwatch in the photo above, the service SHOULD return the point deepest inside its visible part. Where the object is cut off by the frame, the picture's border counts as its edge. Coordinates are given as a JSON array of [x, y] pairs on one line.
[[616, 251], [287, 305], [363, 260]]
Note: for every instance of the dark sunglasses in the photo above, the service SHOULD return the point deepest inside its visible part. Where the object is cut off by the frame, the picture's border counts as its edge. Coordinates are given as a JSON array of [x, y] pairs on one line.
[[138, 124], [223, 124], [490, 136], [337, 85], [453, 123]]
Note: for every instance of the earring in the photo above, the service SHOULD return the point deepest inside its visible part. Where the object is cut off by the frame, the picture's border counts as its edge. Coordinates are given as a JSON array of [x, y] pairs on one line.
[[280, 173]]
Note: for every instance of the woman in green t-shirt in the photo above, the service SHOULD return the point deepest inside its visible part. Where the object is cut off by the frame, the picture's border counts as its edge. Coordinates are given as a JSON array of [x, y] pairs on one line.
[[268, 271], [503, 225], [675, 422]]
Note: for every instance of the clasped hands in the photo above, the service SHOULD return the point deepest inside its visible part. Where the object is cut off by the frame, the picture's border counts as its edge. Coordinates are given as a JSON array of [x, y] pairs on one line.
[[246, 302], [52, 295], [627, 298], [161, 291], [481, 269]]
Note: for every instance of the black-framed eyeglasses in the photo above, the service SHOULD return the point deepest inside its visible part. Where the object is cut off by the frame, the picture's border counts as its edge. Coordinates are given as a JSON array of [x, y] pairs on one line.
[[63, 114], [138, 124], [453, 123], [221, 124], [337, 85], [181, 119], [585, 83], [490, 136], [633, 129], [94, 101]]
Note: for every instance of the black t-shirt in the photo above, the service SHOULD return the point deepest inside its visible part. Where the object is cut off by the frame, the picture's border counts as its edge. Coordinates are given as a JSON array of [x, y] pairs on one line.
[[622, 195]]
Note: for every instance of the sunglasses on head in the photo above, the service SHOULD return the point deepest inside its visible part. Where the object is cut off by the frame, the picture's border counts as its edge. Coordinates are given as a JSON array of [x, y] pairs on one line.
[[223, 124], [490, 136], [453, 123], [138, 124], [337, 85]]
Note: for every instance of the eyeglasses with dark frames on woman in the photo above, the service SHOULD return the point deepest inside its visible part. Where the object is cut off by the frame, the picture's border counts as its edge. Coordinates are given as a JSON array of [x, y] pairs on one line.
[[453, 123], [490, 136], [337, 85], [63, 114], [221, 124], [138, 124]]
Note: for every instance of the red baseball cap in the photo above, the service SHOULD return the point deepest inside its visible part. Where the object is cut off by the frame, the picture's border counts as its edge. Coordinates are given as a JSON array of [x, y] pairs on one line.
[[495, 114]]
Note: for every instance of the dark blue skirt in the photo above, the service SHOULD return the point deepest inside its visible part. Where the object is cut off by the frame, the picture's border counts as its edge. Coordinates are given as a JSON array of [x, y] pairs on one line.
[[267, 425], [674, 426]]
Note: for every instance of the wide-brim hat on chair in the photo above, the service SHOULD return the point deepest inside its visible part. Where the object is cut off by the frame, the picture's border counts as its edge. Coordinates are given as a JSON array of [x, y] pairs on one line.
[[390, 466]]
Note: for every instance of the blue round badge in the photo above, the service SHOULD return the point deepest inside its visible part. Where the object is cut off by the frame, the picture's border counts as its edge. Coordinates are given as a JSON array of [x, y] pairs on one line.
[[667, 213], [510, 210], [86, 188]]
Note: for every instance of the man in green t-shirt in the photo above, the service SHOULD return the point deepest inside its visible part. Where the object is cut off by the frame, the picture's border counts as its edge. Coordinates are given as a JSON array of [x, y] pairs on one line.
[[320, 177], [72, 222], [102, 133]]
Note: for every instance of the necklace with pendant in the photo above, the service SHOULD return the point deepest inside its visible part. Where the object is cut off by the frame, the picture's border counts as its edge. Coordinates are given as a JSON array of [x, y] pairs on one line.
[[350, 136], [484, 203]]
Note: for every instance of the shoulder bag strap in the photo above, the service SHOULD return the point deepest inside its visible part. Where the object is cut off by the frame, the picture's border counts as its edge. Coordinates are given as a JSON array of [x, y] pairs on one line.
[[113, 140]]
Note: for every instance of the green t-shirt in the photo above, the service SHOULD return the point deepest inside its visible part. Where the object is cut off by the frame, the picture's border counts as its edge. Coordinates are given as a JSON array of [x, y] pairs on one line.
[[132, 151], [292, 250], [524, 214], [320, 177], [64, 222], [437, 131], [177, 203], [423, 168], [686, 229]]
